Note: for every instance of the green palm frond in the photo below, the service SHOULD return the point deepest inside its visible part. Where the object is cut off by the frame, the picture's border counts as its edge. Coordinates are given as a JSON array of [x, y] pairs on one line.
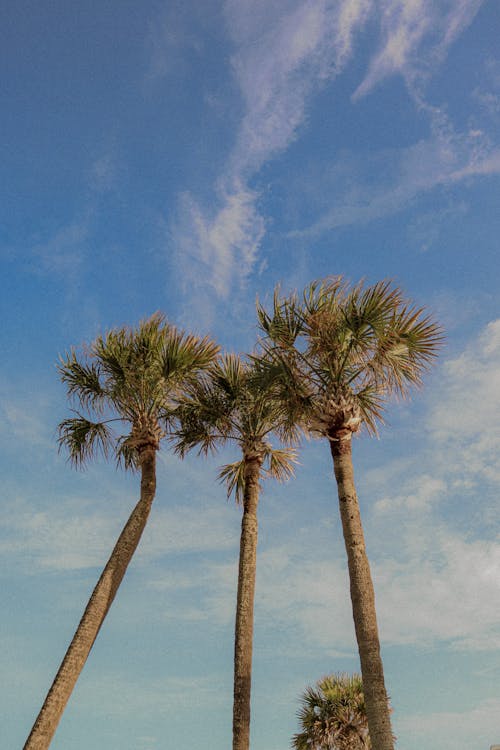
[[202, 417], [405, 349], [185, 354], [284, 325], [282, 374], [194, 430], [233, 475], [84, 439], [82, 381], [280, 463], [230, 376]]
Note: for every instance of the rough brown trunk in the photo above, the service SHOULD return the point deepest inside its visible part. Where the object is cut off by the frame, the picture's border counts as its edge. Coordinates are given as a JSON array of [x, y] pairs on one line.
[[362, 598], [243, 639], [99, 603]]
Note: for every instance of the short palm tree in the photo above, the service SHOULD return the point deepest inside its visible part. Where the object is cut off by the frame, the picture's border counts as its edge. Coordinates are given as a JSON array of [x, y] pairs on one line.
[[337, 356], [228, 404], [123, 386], [332, 715]]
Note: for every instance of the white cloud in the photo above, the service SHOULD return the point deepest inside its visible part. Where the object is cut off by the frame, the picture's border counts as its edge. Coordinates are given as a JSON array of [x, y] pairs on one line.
[[416, 35], [280, 59], [67, 538], [419, 498], [475, 728], [303, 598], [444, 579], [470, 434], [439, 587], [445, 590], [219, 250], [74, 535], [282, 52], [444, 158]]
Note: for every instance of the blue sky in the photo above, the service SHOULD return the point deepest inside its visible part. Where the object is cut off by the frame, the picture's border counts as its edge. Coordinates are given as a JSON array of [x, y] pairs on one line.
[[187, 157]]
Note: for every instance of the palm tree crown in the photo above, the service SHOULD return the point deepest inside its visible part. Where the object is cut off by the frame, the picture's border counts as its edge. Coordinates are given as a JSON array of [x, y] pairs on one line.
[[128, 379], [228, 403], [338, 354], [332, 715]]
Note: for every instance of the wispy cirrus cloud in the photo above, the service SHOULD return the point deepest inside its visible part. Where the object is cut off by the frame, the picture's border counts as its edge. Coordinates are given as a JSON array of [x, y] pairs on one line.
[[219, 251], [414, 37], [283, 53], [282, 56], [445, 158]]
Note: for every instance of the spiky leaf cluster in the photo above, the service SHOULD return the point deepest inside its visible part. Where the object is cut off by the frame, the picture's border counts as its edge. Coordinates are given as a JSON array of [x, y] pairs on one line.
[[229, 402], [123, 385], [332, 715], [340, 352]]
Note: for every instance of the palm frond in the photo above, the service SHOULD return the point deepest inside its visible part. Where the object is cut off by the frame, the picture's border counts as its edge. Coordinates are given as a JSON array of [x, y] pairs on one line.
[[405, 350], [280, 463], [285, 324], [230, 375], [82, 380], [185, 354], [84, 439], [233, 475], [127, 455]]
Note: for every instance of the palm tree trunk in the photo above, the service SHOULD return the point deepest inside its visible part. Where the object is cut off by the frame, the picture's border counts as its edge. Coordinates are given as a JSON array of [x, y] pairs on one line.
[[362, 598], [243, 641], [99, 603]]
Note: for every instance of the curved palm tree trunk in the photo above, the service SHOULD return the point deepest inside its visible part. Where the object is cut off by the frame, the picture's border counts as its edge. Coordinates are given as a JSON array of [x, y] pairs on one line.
[[362, 598], [243, 639], [95, 612]]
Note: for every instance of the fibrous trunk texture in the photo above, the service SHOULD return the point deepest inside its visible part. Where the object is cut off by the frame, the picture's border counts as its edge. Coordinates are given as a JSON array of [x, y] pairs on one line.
[[362, 598], [243, 640], [97, 608]]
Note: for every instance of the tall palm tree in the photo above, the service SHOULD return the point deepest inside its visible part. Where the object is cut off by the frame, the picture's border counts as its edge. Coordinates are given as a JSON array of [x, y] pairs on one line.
[[228, 404], [332, 715], [337, 355], [123, 385]]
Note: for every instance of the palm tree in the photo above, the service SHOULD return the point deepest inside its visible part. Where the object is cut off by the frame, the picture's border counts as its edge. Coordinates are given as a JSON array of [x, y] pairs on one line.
[[228, 404], [337, 356], [123, 385], [332, 715]]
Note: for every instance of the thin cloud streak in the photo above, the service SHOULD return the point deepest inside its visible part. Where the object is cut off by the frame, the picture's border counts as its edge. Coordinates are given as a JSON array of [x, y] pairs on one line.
[[415, 38], [445, 159], [283, 52]]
